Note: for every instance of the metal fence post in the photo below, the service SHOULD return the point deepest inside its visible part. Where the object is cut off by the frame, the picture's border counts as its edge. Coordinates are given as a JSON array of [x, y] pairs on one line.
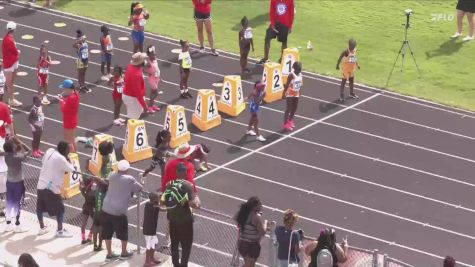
[[272, 246], [385, 260], [375, 258], [139, 194]]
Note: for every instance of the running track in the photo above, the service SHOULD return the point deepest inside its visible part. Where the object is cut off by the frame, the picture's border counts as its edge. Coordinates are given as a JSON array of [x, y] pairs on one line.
[[391, 172]]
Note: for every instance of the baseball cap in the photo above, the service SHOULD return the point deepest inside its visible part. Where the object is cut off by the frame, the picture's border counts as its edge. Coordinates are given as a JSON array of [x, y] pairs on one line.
[[11, 25], [181, 168], [67, 84], [123, 165]]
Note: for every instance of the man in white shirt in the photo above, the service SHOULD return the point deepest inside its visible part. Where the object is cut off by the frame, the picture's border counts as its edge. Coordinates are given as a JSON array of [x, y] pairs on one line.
[[55, 164]]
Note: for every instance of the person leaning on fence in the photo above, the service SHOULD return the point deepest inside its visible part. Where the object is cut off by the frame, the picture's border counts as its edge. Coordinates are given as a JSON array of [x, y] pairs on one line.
[[252, 227], [114, 210], [50, 183], [289, 240], [87, 188], [179, 198], [150, 221], [183, 154], [15, 153], [326, 252], [101, 192]]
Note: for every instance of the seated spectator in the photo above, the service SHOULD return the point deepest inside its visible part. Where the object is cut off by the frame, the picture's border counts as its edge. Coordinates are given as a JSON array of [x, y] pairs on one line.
[[449, 261], [289, 240], [326, 252], [26, 260], [252, 227]]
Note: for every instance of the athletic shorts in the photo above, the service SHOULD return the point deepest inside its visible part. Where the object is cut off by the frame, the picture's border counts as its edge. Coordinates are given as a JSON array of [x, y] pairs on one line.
[[348, 74], [150, 241], [88, 210], [43, 80], [245, 48], [249, 249], [153, 82], [15, 192], [114, 224], [466, 6], [106, 58], [138, 37], [283, 32], [50, 202], [201, 16], [13, 68], [80, 64], [3, 182], [253, 108]]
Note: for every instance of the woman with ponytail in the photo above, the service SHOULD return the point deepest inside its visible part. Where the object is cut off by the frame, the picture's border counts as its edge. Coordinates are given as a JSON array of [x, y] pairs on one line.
[[161, 152], [252, 227]]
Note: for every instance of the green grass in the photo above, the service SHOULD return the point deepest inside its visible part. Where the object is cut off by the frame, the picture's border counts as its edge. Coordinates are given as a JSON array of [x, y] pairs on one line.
[[446, 75]]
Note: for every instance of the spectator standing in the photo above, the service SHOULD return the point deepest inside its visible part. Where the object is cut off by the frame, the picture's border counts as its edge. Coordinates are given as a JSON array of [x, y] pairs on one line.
[[15, 153], [69, 100], [289, 240], [101, 192], [252, 227], [114, 209], [150, 221], [179, 198], [202, 15], [138, 18], [183, 154], [2, 82], [281, 22], [465, 7], [326, 251], [133, 95], [11, 61], [5, 119], [51, 181], [88, 192]]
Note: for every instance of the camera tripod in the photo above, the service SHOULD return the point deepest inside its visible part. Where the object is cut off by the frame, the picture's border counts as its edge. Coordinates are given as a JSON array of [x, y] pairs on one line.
[[403, 50]]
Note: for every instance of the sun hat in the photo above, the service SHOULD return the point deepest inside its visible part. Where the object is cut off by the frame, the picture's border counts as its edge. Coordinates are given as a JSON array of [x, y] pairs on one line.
[[11, 25], [67, 84], [138, 58], [123, 165], [138, 6], [184, 150]]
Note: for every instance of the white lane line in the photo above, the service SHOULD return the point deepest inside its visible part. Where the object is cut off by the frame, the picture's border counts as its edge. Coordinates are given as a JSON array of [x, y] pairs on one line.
[[392, 243], [235, 57]]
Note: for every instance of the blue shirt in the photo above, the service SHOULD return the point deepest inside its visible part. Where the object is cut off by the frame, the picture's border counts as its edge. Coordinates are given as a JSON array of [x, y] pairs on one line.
[[283, 239]]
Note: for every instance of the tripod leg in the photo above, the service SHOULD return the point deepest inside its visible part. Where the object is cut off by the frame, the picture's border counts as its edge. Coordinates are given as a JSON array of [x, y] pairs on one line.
[[394, 65], [404, 54], [413, 57]]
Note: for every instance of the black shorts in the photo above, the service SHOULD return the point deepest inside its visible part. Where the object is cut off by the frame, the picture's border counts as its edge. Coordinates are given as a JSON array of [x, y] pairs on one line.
[[88, 209], [114, 224], [281, 36], [201, 16], [49, 202], [466, 5], [245, 48], [96, 219], [249, 249]]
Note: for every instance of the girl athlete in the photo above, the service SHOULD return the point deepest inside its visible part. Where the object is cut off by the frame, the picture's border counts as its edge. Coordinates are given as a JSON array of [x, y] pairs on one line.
[[153, 78], [44, 62], [161, 152], [350, 63], [138, 17], [36, 120], [255, 100], [82, 60], [292, 94], [106, 47], [184, 61], [118, 81], [245, 44]]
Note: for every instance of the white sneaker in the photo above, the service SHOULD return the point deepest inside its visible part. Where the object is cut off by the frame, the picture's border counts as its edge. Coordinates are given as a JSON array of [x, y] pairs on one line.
[[45, 101], [63, 233], [110, 76], [20, 229], [117, 122], [121, 120], [456, 35], [260, 138], [104, 78], [9, 227], [468, 38], [43, 231], [202, 50], [251, 133], [81, 139], [15, 103]]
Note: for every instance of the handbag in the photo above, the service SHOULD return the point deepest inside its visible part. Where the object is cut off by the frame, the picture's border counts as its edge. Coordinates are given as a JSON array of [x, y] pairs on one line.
[[295, 264]]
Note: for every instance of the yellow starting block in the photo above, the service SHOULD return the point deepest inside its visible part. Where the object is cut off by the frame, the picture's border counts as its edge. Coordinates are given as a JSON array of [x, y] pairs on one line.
[[95, 163], [289, 56], [232, 98], [175, 122], [136, 146], [272, 78], [72, 179], [206, 114]]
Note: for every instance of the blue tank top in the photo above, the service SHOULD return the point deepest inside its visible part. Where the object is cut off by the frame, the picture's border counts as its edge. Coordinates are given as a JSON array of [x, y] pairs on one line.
[[83, 53]]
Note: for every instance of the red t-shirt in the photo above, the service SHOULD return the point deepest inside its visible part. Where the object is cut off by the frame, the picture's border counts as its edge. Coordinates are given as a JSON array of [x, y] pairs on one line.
[[202, 8], [6, 117], [282, 11], [9, 51], [70, 109], [170, 173], [135, 84]]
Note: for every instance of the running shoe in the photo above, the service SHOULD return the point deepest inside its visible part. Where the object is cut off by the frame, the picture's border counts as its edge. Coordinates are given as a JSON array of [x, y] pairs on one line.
[[85, 241], [63, 234], [15, 103], [150, 110], [287, 126], [260, 138], [9, 227], [45, 101], [40, 152], [246, 71], [117, 122], [85, 89], [263, 61], [251, 133], [96, 249], [353, 96], [188, 94], [126, 256], [183, 96], [291, 123], [122, 120], [43, 231], [202, 50], [468, 38], [342, 98], [110, 75], [155, 108], [214, 52], [35, 154], [456, 35], [113, 257], [20, 229], [105, 78]]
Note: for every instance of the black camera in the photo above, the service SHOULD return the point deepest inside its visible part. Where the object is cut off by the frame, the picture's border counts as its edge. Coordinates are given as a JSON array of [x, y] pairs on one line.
[[408, 12]]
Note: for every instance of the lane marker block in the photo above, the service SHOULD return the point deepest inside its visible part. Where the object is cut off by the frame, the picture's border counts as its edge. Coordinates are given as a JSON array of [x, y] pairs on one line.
[[206, 114], [272, 78], [289, 56], [72, 179], [136, 146], [232, 98], [95, 163], [175, 122]]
